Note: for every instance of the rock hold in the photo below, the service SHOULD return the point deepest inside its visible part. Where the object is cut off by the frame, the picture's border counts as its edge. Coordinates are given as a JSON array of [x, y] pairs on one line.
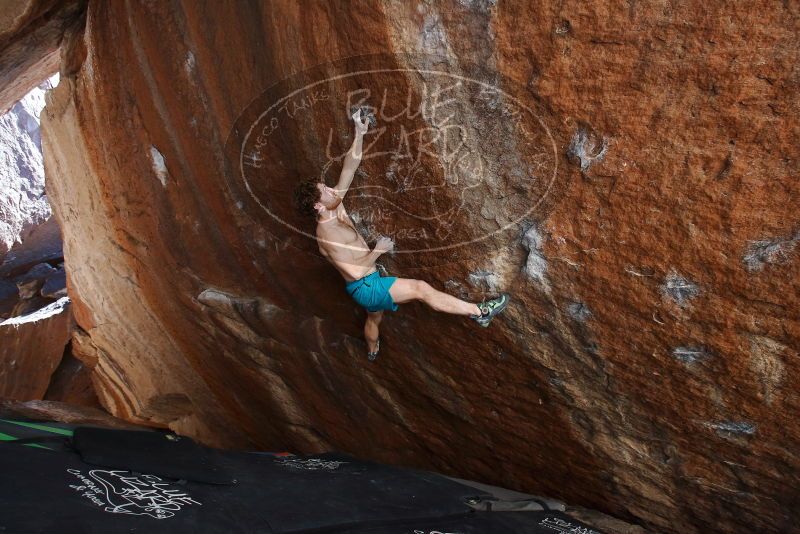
[[587, 148], [536, 264]]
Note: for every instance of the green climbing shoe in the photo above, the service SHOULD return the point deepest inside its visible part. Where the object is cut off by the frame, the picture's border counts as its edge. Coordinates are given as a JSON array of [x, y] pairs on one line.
[[490, 308]]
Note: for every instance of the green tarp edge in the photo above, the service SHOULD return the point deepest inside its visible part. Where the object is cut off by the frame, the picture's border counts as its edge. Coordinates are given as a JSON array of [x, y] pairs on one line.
[[46, 428], [6, 437]]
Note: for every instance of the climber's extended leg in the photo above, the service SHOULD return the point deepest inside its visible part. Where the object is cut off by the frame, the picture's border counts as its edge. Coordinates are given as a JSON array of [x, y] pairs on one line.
[[371, 333], [407, 289]]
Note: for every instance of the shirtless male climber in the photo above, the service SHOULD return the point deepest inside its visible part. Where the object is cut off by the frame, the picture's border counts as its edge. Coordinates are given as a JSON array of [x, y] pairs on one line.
[[343, 246]]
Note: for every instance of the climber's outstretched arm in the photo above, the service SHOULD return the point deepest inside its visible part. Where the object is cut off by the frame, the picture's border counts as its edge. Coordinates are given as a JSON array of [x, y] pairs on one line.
[[353, 157]]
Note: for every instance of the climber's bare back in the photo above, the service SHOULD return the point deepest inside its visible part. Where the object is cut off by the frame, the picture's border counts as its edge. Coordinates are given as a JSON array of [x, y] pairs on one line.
[[341, 244]]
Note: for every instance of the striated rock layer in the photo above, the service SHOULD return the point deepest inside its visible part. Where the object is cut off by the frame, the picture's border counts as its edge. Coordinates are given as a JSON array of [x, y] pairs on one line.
[[78, 415], [626, 171]]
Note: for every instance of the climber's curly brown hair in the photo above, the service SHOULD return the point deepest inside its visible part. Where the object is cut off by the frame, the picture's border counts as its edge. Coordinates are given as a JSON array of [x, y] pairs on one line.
[[306, 194]]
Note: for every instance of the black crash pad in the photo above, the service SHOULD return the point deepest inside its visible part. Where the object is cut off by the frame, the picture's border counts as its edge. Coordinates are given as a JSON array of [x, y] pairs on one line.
[[57, 491], [158, 453]]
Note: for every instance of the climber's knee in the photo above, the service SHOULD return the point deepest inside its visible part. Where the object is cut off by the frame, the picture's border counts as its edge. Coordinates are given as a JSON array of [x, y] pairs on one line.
[[424, 290]]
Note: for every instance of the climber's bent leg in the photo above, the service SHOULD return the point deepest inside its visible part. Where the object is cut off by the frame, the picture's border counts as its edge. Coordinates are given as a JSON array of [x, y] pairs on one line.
[[407, 289], [371, 329]]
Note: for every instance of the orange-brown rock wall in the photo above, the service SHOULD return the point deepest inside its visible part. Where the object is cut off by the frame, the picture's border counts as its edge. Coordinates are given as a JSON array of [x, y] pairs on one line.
[[629, 176]]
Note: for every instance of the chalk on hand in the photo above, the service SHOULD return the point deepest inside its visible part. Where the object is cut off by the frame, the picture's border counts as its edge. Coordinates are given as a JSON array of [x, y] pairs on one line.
[[365, 111], [391, 250]]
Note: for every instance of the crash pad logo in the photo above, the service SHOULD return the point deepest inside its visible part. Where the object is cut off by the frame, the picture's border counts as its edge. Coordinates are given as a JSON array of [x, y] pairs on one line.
[[453, 155], [559, 525], [120, 492], [310, 464]]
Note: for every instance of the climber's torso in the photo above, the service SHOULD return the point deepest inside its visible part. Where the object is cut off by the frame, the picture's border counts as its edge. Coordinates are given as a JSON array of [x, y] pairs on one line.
[[341, 244]]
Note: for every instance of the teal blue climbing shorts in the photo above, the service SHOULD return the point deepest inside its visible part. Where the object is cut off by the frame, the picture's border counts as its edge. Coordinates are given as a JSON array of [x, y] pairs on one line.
[[372, 292]]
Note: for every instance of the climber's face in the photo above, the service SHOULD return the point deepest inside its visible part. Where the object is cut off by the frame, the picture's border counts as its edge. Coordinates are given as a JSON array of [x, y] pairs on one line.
[[328, 198]]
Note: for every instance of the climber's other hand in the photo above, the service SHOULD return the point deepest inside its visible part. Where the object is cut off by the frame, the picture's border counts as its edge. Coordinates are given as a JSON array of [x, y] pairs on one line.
[[384, 245]]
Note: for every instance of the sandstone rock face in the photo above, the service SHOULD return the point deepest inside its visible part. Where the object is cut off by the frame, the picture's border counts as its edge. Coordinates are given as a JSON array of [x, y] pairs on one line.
[[71, 383], [31, 348], [33, 33], [23, 201], [32, 275], [626, 172], [35, 318]]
